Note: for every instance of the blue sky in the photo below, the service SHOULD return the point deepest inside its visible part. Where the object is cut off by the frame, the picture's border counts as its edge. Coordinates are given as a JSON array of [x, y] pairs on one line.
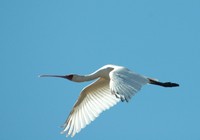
[[160, 39]]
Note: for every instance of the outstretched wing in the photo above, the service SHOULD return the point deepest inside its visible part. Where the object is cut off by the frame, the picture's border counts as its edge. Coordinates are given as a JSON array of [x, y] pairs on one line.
[[125, 83], [93, 100]]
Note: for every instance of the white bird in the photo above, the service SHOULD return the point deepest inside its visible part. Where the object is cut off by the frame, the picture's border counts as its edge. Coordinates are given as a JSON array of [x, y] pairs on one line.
[[114, 83]]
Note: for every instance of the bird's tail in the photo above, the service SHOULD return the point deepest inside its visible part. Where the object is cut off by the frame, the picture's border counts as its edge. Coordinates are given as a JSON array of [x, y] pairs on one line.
[[163, 84]]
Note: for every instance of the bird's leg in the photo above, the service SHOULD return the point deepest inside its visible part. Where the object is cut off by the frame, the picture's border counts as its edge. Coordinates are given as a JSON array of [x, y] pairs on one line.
[[163, 84]]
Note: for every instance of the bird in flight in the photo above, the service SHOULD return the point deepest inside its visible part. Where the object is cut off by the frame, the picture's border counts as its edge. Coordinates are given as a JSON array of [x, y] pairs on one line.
[[114, 84]]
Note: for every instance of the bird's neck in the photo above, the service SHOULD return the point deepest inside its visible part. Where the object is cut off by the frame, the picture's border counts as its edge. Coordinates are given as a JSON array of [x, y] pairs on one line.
[[83, 78]]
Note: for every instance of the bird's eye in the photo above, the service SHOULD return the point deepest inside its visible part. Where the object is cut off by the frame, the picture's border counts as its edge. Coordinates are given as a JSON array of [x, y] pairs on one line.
[[69, 77]]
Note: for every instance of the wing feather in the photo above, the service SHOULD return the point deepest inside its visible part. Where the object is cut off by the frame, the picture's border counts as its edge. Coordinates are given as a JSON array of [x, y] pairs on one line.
[[125, 83], [93, 100], [101, 95]]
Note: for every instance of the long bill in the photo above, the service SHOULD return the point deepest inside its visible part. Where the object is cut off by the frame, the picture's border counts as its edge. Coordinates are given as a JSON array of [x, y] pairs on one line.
[[59, 76]]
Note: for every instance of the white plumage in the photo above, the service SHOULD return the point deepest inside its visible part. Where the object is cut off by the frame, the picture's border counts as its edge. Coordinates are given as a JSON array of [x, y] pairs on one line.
[[114, 83]]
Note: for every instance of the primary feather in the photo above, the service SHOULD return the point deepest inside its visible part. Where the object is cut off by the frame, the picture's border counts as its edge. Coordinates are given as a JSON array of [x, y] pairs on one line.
[[93, 99]]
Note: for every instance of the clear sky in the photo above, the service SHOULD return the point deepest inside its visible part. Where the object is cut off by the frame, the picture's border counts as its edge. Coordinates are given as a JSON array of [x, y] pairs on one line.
[[160, 39]]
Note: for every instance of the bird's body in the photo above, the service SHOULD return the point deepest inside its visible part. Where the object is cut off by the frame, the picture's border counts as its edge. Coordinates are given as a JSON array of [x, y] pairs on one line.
[[113, 84]]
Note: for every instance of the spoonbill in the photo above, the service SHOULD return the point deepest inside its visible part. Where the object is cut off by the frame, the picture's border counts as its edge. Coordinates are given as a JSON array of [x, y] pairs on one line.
[[114, 84]]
